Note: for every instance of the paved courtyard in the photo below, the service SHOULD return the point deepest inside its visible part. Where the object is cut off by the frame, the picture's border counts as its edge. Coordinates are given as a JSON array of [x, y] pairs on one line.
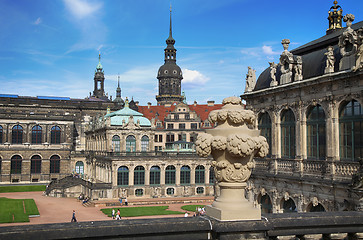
[[57, 210]]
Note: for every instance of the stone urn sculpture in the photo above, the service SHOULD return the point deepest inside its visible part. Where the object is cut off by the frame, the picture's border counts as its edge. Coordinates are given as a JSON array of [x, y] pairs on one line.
[[233, 144]]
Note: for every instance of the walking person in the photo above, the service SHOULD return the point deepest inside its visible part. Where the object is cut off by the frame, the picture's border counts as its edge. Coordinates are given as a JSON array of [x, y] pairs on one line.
[[113, 213], [120, 199], [74, 217], [118, 215], [126, 204]]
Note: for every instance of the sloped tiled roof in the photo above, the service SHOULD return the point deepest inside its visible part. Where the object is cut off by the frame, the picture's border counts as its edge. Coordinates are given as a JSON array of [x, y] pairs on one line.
[[160, 112]]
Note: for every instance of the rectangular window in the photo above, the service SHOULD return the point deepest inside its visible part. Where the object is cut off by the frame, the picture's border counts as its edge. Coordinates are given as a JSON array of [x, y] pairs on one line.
[[170, 138], [170, 126], [160, 138], [187, 116], [176, 116], [193, 125], [181, 125], [156, 138]]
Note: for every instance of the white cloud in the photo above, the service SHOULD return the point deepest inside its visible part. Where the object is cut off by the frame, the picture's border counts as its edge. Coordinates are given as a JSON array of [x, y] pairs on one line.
[[82, 8], [38, 21], [193, 78], [268, 50]]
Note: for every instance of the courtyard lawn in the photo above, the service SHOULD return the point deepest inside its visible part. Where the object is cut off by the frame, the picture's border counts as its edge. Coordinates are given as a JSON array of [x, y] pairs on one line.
[[141, 211], [191, 208], [26, 188], [12, 210]]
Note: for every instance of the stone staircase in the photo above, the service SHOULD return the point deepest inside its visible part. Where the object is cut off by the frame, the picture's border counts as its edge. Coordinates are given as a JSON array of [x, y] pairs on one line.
[[71, 181]]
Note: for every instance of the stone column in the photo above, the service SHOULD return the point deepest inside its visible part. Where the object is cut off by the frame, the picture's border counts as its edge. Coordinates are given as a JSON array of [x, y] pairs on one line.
[[233, 144], [177, 174], [131, 175], [162, 174], [192, 174], [147, 175]]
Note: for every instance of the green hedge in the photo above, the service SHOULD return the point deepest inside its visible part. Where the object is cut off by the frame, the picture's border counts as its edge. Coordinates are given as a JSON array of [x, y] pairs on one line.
[[26, 188]]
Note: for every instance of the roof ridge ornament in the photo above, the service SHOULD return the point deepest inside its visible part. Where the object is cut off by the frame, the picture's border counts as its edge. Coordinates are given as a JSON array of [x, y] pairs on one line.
[[335, 16]]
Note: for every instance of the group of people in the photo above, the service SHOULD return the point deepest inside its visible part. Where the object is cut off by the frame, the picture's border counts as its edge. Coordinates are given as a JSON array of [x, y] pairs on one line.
[[116, 216], [125, 201], [199, 211]]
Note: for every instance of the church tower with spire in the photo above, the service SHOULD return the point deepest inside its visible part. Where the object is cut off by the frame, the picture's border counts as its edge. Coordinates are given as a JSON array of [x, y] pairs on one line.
[[118, 98], [99, 80], [169, 75]]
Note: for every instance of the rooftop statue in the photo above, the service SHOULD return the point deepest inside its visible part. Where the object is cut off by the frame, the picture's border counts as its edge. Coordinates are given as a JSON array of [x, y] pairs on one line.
[[250, 80], [273, 67], [286, 62]]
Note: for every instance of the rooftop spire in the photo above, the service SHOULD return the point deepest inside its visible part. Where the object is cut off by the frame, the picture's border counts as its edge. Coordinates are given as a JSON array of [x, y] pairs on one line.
[[170, 41], [99, 66]]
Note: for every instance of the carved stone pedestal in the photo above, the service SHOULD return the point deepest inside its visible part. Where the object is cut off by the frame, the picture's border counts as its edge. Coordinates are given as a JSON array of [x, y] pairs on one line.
[[231, 205]]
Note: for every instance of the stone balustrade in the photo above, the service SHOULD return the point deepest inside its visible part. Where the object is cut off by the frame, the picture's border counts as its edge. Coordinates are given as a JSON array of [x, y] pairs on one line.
[[322, 225], [339, 170]]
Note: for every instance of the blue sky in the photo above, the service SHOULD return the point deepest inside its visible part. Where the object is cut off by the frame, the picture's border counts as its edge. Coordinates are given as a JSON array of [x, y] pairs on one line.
[[50, 48]]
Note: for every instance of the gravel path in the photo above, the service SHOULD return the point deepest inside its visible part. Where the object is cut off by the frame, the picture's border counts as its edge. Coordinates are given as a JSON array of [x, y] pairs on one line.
[[57, 210]]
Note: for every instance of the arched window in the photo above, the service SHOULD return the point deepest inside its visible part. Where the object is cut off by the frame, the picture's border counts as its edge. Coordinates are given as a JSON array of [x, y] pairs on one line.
[[123, 176], [36, 134], [170, 175], [288, 148], [155, 175], [1, 134], [36, 164], [54, 164], [80, 167], [144, 144], [264, 125], [266, 204], [185, 175], [116, 143], [316, 137], [17, 135], [211, 175], [351, 131], [16, 164], [139, 175], [289, 206], [55, 135], [199, 174], [130, 144], [317, 208]]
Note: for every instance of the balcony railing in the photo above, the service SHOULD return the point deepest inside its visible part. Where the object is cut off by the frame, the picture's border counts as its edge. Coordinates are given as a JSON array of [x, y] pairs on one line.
[[338, 170], [142, 154]]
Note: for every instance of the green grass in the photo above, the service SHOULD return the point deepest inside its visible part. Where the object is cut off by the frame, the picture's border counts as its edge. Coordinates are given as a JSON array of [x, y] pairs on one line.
[[191, 208], [141, 211], [15, 207], [26, 188]]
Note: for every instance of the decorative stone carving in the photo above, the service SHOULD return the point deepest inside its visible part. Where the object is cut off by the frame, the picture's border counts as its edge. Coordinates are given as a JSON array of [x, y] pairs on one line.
[[298, 69], [286, 62], [359, 55], [233, 144], [330, 60], [273, 67], [250, 80], [348, 44]]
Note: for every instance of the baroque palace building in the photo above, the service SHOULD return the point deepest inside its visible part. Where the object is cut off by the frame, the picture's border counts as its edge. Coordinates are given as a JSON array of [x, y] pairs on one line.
[[309, 108], [115, 148]]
